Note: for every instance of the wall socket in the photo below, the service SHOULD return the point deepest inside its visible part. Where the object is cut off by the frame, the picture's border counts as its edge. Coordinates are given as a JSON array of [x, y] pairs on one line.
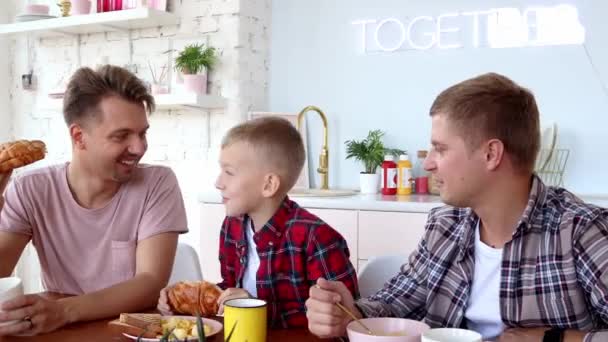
[[28, 81]]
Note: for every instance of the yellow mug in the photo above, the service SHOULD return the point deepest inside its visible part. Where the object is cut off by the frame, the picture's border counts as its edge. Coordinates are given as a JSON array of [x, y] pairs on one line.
[[245, 319]]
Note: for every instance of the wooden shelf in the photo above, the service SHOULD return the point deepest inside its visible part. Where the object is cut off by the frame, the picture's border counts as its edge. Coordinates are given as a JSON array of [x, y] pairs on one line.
[[188, 100], [92, 23]]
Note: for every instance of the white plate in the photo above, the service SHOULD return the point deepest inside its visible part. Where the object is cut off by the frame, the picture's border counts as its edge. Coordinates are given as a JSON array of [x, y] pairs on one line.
[[216, 327], [32, 17], [549, 135], [548, 142]]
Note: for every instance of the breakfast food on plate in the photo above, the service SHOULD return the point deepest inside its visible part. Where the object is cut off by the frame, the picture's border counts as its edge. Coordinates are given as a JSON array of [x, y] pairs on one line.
[[182, 328], [187, 297], [157, 326], [136, 324], [19, 153]]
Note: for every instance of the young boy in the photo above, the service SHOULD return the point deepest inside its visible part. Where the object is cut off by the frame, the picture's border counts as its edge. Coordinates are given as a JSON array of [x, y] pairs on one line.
[[270, 248]]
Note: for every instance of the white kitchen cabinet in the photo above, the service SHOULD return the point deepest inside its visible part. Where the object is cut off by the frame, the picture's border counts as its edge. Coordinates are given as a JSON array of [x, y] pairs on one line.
[[345, 223], [368, 233], [387, 233], [212, 216]]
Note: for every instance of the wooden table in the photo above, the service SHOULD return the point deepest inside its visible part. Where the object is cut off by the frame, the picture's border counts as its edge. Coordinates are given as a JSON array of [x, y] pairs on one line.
[[98, 331]]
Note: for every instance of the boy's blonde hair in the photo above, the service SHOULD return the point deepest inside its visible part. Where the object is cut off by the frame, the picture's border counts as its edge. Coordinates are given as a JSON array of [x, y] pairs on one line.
[[276, 142]]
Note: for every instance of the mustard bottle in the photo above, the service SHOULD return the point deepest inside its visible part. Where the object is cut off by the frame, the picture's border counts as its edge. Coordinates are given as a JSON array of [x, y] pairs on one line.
[[404, 175]]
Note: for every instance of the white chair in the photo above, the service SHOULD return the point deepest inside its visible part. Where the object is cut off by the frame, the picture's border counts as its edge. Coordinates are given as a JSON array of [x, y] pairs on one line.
[[186, 265], [377, 271]]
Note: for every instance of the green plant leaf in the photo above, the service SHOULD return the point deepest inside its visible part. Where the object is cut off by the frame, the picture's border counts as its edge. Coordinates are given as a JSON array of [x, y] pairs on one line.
[[194, 58], [231, 331], [200, 328], [370, 151], [165, 337]]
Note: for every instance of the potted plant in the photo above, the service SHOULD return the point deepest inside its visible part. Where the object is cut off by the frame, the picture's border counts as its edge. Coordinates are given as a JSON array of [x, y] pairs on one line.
[[193, 62], [370, 151]]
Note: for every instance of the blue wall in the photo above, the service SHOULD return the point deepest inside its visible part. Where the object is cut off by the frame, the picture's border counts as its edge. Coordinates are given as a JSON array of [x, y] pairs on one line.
[[316, 59]]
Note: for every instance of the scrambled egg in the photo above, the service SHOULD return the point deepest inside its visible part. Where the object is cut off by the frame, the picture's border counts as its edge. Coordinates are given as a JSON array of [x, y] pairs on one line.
[[182, 328]]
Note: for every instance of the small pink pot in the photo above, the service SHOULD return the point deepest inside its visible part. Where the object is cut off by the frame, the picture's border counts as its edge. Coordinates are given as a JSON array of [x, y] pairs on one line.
[[37, 9], [81, 7], [196, 83]]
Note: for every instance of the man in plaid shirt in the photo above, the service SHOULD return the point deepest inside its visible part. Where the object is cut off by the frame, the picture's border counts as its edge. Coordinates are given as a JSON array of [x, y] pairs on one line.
[[509, 257], [270, 248]]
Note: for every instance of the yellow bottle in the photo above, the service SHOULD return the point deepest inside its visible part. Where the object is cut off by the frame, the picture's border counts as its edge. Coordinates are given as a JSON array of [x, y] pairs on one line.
[[404, 175]]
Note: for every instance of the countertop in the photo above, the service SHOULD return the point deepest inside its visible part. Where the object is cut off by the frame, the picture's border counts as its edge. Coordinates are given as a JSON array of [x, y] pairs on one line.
[[378, 202]]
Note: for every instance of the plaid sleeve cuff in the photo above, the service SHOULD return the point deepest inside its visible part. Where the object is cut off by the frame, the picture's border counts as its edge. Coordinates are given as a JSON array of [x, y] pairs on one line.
[[596, 336], [372, 308]]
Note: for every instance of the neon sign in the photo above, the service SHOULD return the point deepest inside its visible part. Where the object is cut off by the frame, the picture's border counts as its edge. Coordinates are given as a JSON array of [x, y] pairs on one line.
[[494, 28]]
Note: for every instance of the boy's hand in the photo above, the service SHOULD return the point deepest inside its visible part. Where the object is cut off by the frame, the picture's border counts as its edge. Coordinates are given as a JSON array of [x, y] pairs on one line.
[[228, 294], [163, 302], [325, 319]]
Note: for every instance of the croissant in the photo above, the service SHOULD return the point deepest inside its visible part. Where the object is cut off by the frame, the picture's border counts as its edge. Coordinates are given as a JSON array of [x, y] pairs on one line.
[[20, 153], [186, 297]]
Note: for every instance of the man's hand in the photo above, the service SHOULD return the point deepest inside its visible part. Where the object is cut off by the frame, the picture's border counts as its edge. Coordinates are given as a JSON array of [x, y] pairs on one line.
[[4, 178], [231, 293], [522, 335], [536, 335], [325, 319], [35, 314], [163, 302]]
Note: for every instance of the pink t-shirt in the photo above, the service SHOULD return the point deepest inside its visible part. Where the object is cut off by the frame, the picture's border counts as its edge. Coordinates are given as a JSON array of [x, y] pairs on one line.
[[85, 250]]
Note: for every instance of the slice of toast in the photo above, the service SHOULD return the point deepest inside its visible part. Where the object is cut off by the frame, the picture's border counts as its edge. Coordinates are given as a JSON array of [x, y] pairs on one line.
[[142, 320], [117, 327], [136, 324]]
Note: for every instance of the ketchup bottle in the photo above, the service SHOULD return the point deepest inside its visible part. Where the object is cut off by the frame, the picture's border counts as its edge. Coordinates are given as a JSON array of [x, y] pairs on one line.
[[389, 176]]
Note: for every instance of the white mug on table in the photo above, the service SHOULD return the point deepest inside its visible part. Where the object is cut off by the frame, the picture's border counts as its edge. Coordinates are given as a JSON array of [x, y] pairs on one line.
[[10, 288]]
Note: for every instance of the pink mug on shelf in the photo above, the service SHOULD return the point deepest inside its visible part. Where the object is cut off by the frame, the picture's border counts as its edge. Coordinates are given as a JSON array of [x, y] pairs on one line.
[[160, 5], [81, 7]]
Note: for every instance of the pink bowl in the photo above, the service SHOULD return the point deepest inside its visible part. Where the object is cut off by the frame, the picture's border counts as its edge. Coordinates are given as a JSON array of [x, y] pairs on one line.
[[37, 9], [385, 329]]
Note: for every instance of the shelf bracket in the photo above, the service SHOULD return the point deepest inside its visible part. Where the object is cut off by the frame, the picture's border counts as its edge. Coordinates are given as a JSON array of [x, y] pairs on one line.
[[115, 28], [67, 34]]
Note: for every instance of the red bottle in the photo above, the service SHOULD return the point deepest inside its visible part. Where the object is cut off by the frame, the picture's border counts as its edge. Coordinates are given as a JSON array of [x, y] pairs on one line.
[[389, 176]]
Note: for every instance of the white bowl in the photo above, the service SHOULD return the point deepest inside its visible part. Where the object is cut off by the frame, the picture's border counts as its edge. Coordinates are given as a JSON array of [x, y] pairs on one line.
[[450, 335], [385, 329], [10, 288]]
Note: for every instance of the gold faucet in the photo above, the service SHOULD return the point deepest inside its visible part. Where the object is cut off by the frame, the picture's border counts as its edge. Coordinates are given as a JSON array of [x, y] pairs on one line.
[[324, 157]]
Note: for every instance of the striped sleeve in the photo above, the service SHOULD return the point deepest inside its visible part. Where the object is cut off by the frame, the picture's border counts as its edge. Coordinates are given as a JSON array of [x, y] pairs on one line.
[[591, 249]]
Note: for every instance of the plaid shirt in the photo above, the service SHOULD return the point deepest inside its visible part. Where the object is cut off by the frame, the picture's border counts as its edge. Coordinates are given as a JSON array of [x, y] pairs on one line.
[[554, 270], [295, 248]]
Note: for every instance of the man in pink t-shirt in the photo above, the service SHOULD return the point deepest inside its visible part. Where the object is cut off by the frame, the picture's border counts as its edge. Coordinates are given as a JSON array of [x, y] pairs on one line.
[[104, 226]]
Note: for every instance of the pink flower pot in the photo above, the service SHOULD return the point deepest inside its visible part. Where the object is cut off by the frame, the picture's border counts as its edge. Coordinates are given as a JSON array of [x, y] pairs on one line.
[[196, 83], [81, 7], [37, 9]]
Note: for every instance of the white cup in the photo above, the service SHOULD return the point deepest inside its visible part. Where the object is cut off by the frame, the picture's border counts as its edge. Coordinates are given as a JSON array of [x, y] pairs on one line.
[[10, 288], [450, 335]]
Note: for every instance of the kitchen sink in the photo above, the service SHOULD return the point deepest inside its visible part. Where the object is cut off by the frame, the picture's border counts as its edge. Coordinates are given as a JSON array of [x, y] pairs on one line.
[[322, 193]]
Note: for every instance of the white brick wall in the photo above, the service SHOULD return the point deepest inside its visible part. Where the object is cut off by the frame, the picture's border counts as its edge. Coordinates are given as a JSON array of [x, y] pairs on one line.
[[185, 140], [5, 117]]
